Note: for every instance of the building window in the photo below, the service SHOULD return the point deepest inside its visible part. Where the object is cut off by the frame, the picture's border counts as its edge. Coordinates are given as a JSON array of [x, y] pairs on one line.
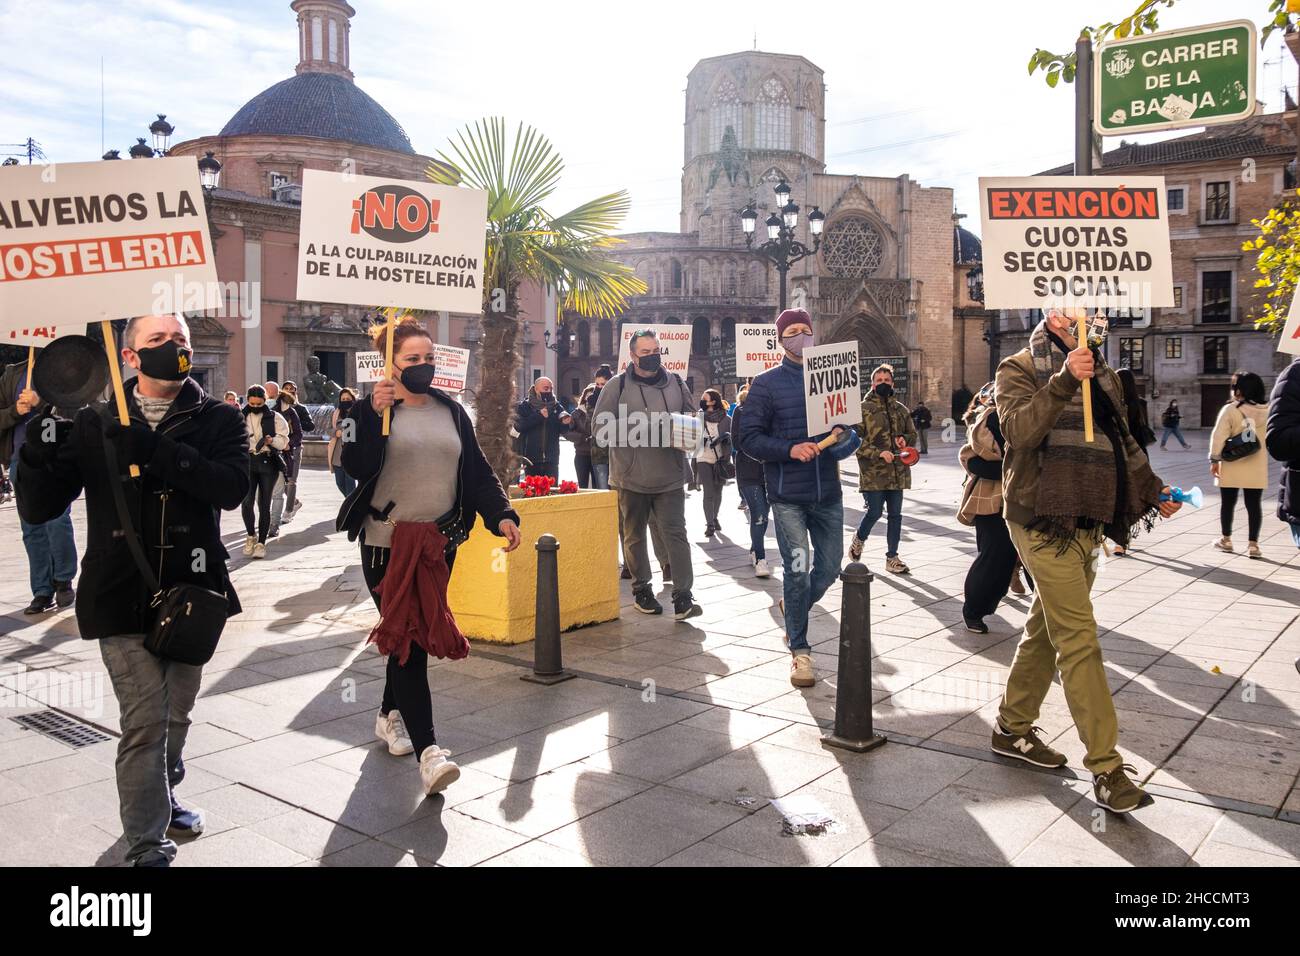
[[723, 113], [701, 333], [1216, 297], [606, 335], [677, 275], [584, 338], [334, 41], [1216, 355], [278, 179], [317, 51], [1177, 198], [852, 248], [1289, 175], [1130, 354], [1174, 347], [1178, 297], [1218, 198], [772, 116]]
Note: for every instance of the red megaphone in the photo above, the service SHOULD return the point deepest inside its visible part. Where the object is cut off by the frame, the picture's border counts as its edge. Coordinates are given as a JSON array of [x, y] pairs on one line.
[[909, 456]]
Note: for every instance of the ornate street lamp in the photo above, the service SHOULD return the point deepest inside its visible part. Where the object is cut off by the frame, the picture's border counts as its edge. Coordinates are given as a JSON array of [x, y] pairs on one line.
[[975, 283], [141, 149], [162, 134], [563, 344], [782, 249], [209, 172], [112, 154]]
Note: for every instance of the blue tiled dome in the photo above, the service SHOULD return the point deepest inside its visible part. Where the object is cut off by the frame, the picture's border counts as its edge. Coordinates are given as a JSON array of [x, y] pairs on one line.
[[323, 105], [966, 246]]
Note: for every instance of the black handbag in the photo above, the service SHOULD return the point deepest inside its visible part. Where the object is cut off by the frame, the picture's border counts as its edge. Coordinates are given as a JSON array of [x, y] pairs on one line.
[[1238, 446], [451, 526], [189, 617]]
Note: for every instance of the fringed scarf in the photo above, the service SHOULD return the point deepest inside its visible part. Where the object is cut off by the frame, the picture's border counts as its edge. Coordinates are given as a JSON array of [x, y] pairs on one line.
[[1085, 484]]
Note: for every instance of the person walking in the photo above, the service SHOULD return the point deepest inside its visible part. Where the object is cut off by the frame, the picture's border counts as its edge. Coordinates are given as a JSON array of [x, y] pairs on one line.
[[1237, 462], [887, 428], [232, 398], [345, 483], [540, 421], [803, 485], [1139, 425], [713, 460], [635, 421], [419, 491], [1169, 421], [289, 406], [580, 434], [192, 453], [752, 485], [268, 437], [1283, 443], [922, 419], [51, 546], [994, 567], [1061, 495]]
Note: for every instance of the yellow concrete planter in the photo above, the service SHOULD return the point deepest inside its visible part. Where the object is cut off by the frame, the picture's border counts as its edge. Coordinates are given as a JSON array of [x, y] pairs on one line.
[[494, 595]]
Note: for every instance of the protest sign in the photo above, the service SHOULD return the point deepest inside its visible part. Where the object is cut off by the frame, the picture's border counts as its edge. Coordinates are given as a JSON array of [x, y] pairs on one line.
[[368, 240], [674, 346], [758, 349], [1290, 340], [453, 368], [83, 242], [39, 336], [1076, 241], [831, 386], [370, 367]]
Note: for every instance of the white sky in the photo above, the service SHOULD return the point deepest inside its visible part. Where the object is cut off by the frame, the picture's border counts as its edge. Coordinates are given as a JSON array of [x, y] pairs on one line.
[[939, 90]]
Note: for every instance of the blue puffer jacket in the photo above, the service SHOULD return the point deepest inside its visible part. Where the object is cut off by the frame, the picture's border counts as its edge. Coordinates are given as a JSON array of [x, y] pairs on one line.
[[773, 422]]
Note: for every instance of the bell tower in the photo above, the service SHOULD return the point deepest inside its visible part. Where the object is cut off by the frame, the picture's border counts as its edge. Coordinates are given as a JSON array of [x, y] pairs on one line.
[[323, 29]]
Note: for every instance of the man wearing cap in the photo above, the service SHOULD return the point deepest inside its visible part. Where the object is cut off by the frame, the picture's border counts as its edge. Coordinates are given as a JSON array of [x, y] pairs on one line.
[[803, 485]]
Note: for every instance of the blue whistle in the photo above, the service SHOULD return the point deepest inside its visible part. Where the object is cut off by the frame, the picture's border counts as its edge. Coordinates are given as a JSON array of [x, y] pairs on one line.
[[1194, 497]]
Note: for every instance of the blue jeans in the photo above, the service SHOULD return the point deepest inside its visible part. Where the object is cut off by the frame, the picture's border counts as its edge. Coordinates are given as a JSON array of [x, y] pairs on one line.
[[155, 697], [876, 502], [345, 482], [1295, 534], [600, 476], [756, 500], [795, 524], [1173, 430], [51, 548]]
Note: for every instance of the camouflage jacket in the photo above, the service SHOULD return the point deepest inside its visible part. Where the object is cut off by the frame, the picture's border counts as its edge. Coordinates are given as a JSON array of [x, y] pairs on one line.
[[884, 420]]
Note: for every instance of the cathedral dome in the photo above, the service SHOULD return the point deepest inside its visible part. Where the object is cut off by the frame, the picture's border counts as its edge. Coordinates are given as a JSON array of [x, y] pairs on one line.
[[966, 246]]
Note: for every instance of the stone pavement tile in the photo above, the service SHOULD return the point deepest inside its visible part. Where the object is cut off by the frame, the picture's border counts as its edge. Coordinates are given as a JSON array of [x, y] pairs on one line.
[[371, 853], [236, 847], [1257, 834], [917, 723], [538, 751], [1142, 751], [1016, 779], [1221, 854], [512, 718], [243, 806], [203, 738], [1187, 693], [741, 727], [1157, 674], [663, 754], [29, 749], [1272, 758], [645, 829], [1258, 713], [1145, 702], [93, 803], [760, 834], [229, 681], [450, 838], [897, 775], [634, 717], [1199, 649], [369, 806], [1166, 833], [971, 827], [746, 689], [12, 791], [1279, 676], [964, 740], [878, 854], [759, 770], [1292, 805], [535, 853], [552, 800], [306, 833], [672, 677], [77, 846], [706, 854], [61, 773], [1235, 782], [372, 761]]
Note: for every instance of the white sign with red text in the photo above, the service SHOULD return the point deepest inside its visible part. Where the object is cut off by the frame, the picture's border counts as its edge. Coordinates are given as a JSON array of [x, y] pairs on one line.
[[674, 346], [831, 387], [39, 336], [758, 348]]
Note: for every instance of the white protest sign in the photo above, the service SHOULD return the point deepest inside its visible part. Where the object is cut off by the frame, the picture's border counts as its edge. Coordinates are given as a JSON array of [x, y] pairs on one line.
[[831, 387], [368, 240], [82, 242], [39, 336], [452, 366], [674, 346], [1290, 340], [758, 348], [370, 367], [1076, 241]]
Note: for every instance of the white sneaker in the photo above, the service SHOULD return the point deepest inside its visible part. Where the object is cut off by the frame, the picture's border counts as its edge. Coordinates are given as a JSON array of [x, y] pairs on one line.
[[437, 773], [249, 543], [259, 550], [761, 570], [392, 731]]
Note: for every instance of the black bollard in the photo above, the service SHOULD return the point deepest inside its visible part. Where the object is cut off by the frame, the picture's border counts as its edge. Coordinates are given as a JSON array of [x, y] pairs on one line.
[[547, 666], [853, 692]]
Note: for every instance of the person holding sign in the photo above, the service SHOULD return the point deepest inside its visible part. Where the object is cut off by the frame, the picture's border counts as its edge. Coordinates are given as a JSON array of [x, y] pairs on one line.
[[51, 546], [887, 428], [191, 451], [419, 491], [1061, 496], [803, 484]]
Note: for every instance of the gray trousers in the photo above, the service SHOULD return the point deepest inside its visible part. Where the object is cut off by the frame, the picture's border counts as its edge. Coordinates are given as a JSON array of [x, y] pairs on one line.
[[711, 480], [664, 513], [155, 697]]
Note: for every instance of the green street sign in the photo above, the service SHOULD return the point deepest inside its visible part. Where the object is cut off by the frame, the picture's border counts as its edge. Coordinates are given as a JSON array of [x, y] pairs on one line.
[[1202, 76]]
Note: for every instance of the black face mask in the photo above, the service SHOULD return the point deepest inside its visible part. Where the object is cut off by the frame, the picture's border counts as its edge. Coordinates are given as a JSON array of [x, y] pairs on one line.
[[593, 398], [167, 362], [344, 405], [254, 409], [416, 379], [649, 363], [884, 390], [546, 397]]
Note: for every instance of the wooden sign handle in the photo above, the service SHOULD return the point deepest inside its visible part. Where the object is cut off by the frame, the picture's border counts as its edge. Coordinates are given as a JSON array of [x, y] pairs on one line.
[[115, 373], [829, 440], [388, 365], [1081, 333], [31, 363]]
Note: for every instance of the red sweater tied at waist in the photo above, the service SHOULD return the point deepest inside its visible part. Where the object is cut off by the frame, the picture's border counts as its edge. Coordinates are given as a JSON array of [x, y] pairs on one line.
[[413, 596]]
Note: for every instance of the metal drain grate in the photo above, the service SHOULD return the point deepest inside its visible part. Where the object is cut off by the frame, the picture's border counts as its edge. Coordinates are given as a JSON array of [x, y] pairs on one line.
[[61, 728]]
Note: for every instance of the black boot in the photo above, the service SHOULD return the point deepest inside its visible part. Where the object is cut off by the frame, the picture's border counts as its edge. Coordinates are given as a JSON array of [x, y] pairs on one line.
[[63, 593]]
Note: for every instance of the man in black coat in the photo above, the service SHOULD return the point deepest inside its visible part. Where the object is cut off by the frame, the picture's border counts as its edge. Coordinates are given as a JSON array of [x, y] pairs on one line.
[[922, 419], [540, 420], [1282, 436], [192, 452]]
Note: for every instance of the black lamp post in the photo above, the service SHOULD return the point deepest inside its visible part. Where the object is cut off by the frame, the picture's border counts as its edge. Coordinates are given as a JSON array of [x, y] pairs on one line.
[[141, 149], [563, 344], [162, 134], [782, 249], [209, 172]]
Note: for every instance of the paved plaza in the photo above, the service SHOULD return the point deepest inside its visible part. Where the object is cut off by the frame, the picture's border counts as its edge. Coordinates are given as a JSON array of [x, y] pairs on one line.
[[608, 769]]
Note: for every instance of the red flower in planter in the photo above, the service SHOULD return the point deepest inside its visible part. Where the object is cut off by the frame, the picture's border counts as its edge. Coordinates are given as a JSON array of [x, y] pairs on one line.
[[568, 487]]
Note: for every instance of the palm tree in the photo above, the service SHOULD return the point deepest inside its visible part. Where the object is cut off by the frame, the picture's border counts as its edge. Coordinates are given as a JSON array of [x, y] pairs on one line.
[[525, 243]]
